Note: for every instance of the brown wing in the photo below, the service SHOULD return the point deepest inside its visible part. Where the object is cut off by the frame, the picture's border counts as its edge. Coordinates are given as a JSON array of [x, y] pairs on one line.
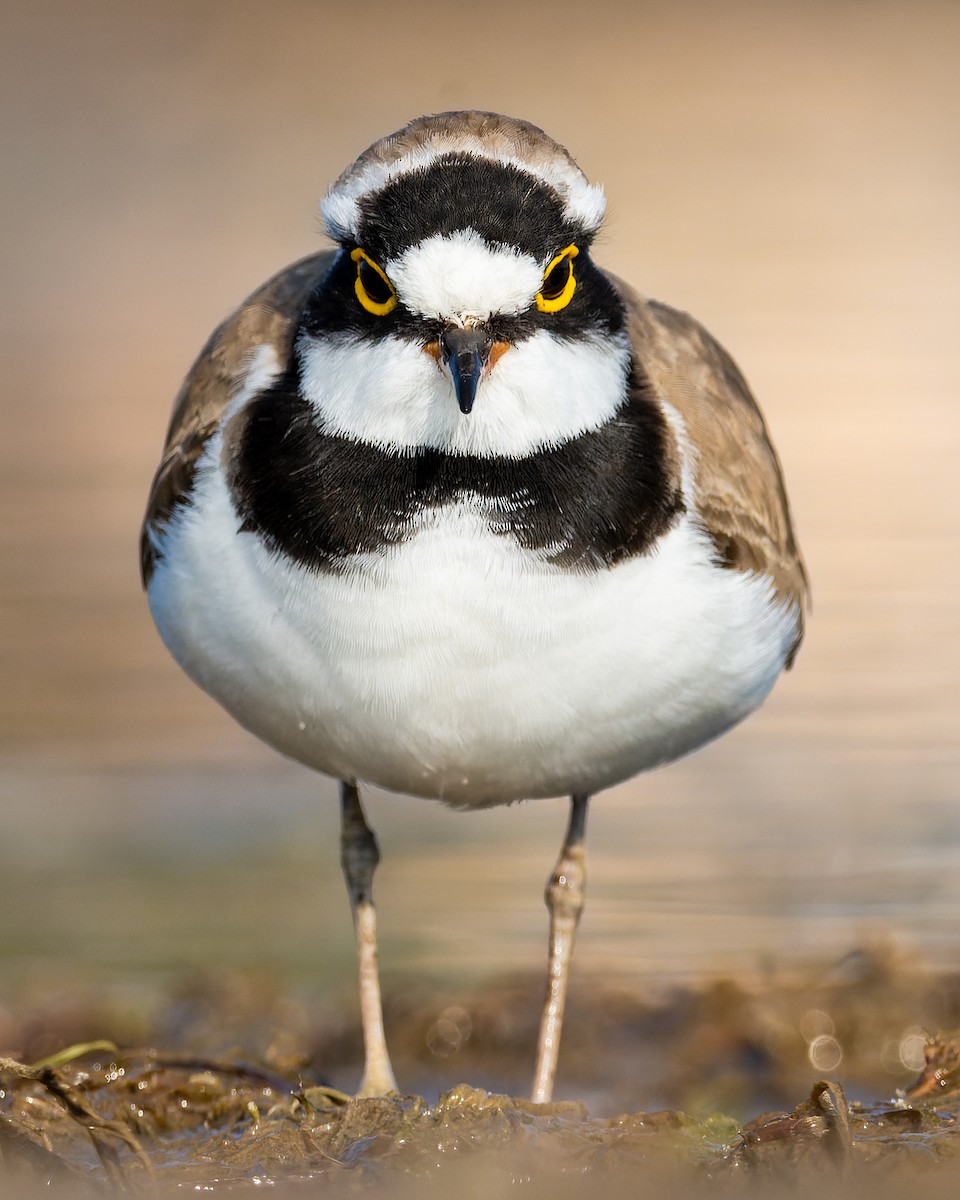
[[269, 315], [740, 491]]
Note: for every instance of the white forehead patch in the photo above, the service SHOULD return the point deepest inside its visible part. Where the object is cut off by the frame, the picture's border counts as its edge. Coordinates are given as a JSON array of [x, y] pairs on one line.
[[459, 276]]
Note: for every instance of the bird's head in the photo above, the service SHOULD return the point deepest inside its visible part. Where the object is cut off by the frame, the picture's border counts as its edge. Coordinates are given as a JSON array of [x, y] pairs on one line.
[[464, 311]]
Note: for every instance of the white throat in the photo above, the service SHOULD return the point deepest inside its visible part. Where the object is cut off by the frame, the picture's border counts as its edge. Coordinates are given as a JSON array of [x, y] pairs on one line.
[[542, 392]]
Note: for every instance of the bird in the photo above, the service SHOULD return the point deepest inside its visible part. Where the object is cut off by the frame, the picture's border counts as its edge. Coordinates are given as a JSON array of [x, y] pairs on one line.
[[449, 509]]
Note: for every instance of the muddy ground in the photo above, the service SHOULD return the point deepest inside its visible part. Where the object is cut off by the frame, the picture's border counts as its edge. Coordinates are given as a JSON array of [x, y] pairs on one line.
[[845, 1078]]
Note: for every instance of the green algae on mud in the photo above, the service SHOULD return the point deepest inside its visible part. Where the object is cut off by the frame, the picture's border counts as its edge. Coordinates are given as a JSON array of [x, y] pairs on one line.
[[143, 1120], [201, 1115]]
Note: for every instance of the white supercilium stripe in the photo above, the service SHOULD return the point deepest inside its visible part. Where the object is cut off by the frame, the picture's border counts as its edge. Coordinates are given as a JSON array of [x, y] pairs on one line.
[[583, 202]]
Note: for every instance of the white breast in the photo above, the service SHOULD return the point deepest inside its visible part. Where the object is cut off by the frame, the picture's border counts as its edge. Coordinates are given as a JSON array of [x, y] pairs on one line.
[[457, 665]]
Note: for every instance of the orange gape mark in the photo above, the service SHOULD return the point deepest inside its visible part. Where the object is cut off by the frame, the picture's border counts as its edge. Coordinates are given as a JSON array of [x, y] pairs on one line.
[[497, 351]]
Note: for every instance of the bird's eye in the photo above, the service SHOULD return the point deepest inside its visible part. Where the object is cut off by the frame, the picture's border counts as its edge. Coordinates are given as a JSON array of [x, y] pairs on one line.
[[559, 282], [374, 290]]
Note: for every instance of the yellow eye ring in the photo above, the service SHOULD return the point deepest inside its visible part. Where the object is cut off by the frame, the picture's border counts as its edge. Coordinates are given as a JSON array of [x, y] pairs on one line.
[[557, 293], [374, 290]]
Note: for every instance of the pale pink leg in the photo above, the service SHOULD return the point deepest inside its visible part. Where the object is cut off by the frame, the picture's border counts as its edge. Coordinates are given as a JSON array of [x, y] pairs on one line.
[[359, 856], [564, 896]]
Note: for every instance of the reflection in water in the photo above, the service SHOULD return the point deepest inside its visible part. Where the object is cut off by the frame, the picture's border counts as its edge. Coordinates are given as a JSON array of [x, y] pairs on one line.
[[742, 860]]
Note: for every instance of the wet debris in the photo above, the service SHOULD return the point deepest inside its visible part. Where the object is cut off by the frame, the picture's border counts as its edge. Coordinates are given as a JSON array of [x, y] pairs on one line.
[[93, 1118], [940, 1077], [133, 1120]]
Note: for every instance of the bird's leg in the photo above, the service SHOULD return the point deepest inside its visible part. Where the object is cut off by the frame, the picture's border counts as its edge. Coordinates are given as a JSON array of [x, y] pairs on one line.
[[564, 897], [359, 855]]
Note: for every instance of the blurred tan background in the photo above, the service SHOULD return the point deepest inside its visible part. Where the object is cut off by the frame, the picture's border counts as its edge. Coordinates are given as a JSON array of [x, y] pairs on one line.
[[787, 172]]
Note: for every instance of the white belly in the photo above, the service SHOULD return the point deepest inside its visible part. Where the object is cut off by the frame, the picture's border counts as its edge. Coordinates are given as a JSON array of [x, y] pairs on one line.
[[457, 665]]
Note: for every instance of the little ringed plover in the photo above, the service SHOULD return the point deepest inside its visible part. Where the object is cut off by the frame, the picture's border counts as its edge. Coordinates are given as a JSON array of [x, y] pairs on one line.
[[452, 510]]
